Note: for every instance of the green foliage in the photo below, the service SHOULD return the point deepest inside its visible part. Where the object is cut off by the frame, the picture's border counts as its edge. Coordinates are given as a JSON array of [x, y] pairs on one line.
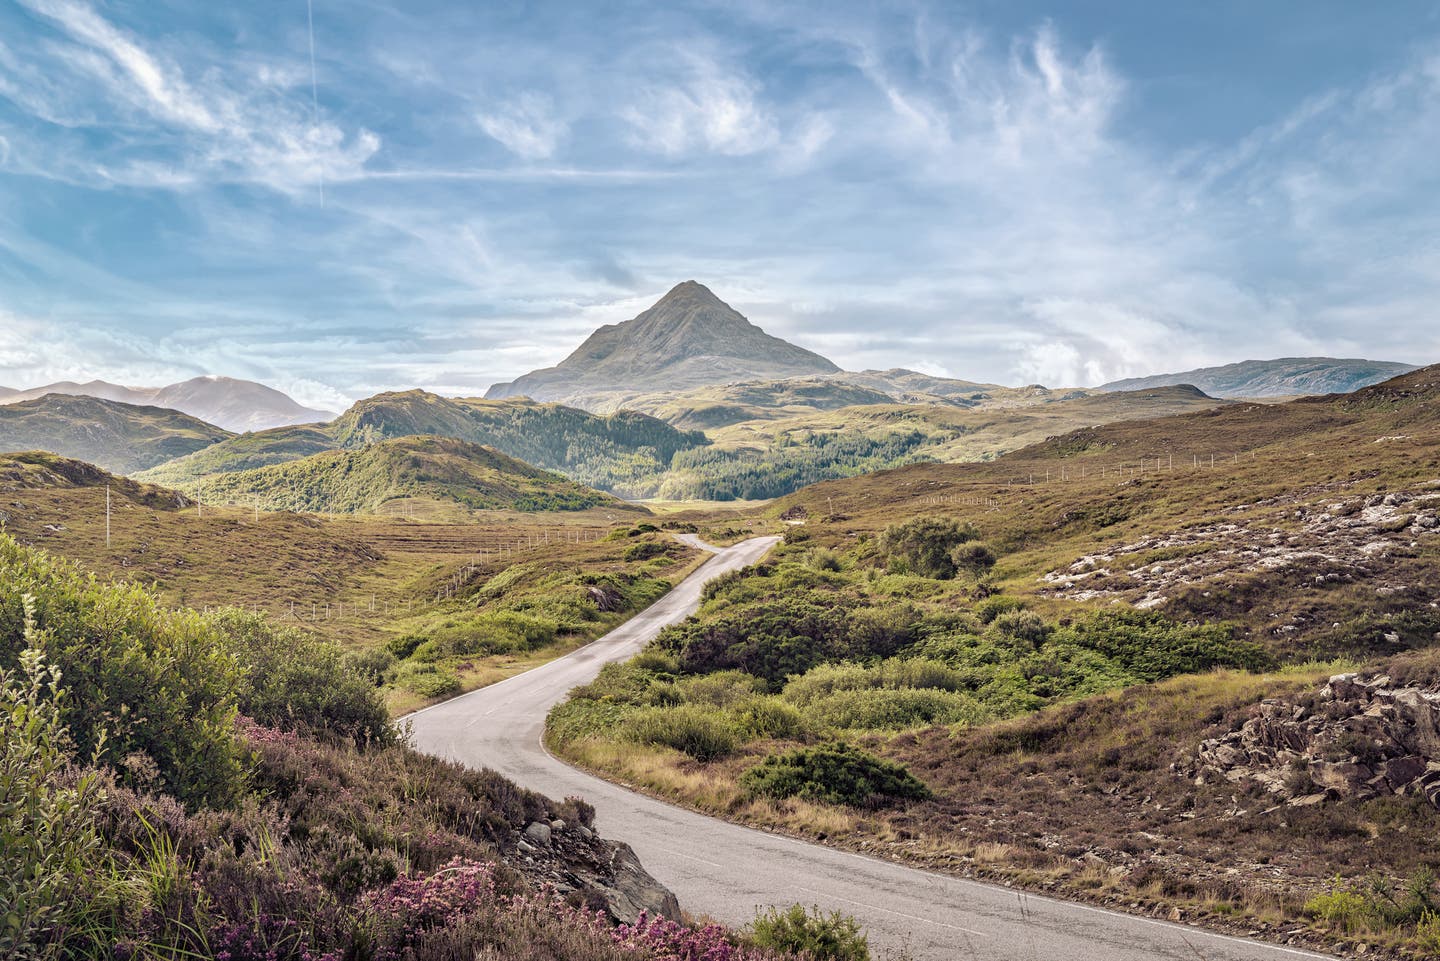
[[925, 545], [291, 682], [833, 774], [794, 461], [811, 933], [152, 691], [427, 680], [704, 734], [50, 846], [1377, 902]]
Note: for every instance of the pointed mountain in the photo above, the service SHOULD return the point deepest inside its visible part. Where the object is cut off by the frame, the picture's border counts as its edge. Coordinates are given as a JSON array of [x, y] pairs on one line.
[[690, 338]]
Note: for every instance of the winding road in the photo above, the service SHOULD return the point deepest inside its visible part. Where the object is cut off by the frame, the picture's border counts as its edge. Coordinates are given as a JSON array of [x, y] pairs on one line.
[[728, 871]]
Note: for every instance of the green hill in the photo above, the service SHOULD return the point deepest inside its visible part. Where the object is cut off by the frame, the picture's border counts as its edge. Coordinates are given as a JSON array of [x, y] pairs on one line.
[[122, 438], [412, 468], [618, 452]]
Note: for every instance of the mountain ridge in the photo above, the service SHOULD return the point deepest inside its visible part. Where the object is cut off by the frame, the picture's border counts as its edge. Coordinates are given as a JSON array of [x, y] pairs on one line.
[[234, 404], [1279, 377], [119, 437]]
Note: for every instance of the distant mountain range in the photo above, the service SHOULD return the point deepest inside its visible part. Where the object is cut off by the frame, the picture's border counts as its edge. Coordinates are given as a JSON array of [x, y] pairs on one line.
[[236, 405], [1284, 377]]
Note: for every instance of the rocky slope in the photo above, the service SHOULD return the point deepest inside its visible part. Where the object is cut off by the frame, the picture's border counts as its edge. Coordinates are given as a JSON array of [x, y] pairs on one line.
[[1284, 377], [689, 339]]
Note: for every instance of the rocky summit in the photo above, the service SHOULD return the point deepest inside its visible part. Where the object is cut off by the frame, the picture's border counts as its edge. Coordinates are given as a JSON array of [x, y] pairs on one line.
[[690, 338]]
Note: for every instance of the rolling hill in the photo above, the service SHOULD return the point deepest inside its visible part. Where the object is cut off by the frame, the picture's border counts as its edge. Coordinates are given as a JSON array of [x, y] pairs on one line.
[[1284, 377], [236, 405], [384, 476], [689, 339], [119, 437], [613, 452]]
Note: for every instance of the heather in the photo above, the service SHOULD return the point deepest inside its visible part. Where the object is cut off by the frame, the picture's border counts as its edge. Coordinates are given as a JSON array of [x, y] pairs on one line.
[[211, 786]]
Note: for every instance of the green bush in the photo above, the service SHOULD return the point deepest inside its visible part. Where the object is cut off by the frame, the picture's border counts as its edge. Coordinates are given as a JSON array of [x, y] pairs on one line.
[[152, 691], [833, 774], [403, 647], [52, 849], [895, 709], [812, 933], [705, 735], [427, 680], [924, 545], [292, 682]]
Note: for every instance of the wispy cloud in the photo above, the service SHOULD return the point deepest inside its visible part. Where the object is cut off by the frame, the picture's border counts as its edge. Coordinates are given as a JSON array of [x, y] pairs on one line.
[[526, 125], [706, 106]]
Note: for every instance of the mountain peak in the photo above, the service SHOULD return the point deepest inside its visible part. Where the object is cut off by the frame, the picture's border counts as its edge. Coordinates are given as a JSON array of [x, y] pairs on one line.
[[689, 338]]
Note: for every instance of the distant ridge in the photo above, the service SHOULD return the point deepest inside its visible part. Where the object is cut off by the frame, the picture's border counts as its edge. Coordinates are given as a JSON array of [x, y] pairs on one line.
[[690, 338], [119, 437], [1282, 377], [236, 405]]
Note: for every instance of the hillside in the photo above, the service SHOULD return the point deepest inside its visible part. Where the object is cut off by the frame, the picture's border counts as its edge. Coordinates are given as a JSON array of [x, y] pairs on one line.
[[393, 474], [770, 458], [1284, 377], [689, 338], [612, 452], [1099, 666], [236, 405], [119, 437]]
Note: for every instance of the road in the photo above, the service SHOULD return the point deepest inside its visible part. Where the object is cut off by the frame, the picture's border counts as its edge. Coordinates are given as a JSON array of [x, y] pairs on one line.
[[728, 871]]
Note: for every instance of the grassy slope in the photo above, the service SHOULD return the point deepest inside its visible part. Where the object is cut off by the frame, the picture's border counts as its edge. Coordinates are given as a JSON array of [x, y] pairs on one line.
[[1080, 797], [120, 437], [358, 580], [609, 452], [368, 479]]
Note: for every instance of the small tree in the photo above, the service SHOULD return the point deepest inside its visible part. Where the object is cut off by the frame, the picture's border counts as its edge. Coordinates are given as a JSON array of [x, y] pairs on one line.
[[924, 545]]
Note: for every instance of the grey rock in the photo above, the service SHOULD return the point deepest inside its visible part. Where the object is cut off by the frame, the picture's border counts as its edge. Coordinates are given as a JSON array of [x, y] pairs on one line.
[[538, 833]]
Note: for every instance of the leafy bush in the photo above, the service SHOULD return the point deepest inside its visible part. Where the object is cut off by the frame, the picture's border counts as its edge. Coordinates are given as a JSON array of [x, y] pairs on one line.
[[290, 681], [895, 709], [402, 647], [152, 691], [833, 774], [703, 734], [47, 820], [813, 933], [924, 545], [427, 680]]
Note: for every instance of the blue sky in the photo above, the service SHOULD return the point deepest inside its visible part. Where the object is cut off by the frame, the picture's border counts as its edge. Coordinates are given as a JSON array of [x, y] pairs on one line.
[[459, 192]]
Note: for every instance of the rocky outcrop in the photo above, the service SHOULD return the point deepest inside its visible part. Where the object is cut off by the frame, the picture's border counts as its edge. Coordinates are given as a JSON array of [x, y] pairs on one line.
[[1358, 738], [573, 859]]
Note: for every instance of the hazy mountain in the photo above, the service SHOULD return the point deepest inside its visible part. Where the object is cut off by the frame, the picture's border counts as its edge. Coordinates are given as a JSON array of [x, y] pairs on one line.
[[689, 339], [1284, 377], [373, 478], [236, 405], [117, 436], [602, 451]]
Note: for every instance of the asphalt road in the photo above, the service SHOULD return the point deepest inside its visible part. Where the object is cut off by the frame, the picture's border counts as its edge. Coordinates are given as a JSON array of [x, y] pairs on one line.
[[727, 871]]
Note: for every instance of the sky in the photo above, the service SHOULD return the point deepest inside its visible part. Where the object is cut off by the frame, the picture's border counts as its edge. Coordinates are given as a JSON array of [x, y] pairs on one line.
[[342, 198]]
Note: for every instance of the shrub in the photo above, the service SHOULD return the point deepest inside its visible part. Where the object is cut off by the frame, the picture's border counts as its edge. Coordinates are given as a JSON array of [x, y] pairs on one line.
[[812, 933], [833, 774], [972, 557], [923, 545], [772, 718], [895, 709], [703, 734], [646, 550], [290, 681], [428, 680], [152, 691], [402, 647], [47, 820]]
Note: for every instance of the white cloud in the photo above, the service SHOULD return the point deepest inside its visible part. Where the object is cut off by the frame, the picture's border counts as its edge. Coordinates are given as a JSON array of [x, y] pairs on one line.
[[527, 126], [707, 107], [220, 125]]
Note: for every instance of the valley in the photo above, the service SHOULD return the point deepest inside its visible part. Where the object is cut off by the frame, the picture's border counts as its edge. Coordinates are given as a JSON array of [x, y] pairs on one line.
[[971, 633]]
